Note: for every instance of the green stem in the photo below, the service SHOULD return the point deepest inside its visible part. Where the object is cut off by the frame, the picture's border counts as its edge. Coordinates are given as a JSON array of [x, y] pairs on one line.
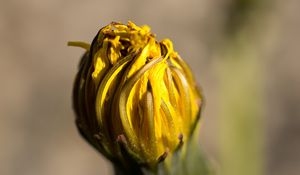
[[132, 170]]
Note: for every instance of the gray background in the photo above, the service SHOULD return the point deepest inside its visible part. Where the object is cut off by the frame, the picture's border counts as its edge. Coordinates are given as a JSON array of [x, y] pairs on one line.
[[37, 69]]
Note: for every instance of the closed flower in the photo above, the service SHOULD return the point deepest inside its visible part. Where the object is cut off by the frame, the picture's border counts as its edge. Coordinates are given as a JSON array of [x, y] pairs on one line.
[[134, 97]]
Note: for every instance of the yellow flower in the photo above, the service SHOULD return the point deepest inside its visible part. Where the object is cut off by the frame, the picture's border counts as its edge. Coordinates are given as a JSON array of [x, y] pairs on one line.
[[134, 91]]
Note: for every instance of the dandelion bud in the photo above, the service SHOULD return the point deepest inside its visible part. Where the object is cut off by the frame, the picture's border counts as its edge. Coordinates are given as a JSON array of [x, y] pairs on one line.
[[134, 97]]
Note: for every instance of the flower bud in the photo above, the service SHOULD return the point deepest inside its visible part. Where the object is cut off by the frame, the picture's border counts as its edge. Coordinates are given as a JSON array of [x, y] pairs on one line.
[[134, 97]]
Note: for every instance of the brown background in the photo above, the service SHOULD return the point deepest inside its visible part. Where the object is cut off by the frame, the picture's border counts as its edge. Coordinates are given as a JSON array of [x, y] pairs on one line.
[[37, 69]]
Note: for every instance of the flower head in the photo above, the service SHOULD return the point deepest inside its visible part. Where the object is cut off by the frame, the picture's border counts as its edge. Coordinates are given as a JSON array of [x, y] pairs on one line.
[[134, 91]]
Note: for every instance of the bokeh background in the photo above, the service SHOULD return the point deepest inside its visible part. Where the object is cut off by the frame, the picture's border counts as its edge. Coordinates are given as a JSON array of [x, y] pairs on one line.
[[245, 55]]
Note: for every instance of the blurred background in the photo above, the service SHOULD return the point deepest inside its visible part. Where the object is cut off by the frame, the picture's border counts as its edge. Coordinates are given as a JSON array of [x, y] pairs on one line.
[[244, 53]]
